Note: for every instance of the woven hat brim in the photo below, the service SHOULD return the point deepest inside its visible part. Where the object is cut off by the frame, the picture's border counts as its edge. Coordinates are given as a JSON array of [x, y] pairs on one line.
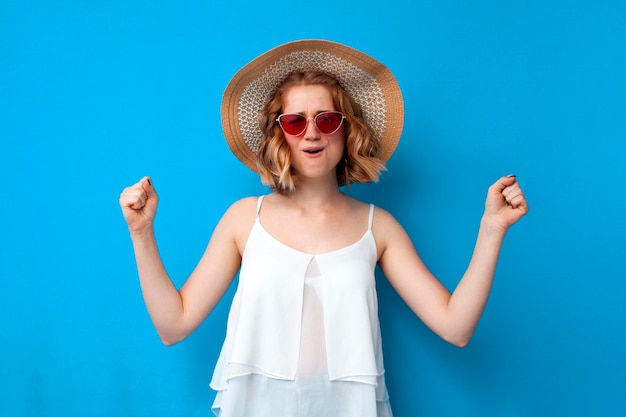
[[369, 82]]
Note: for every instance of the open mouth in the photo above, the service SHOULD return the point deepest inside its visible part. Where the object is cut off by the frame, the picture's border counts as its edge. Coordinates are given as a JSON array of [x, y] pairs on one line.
[[313, 151]]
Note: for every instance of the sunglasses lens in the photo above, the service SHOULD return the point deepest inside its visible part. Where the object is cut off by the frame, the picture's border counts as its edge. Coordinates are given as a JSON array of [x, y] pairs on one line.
[[328, 122], [294, 124]]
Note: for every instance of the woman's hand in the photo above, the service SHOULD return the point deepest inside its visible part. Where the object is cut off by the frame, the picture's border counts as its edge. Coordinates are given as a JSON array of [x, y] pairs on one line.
[[139, 204], [505, 204]]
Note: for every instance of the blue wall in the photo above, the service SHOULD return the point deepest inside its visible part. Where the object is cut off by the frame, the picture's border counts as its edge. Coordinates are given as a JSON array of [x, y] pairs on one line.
[[94, 95]]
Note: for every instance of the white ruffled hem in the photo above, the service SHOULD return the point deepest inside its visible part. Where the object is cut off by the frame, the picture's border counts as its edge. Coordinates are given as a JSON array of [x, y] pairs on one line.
[[255, 395]]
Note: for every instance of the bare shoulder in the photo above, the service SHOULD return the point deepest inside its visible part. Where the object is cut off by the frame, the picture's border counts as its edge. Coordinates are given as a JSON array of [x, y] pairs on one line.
[[238, 220], [387, 230], [243, 207], [358, 206], [241, 212], [383, 220]]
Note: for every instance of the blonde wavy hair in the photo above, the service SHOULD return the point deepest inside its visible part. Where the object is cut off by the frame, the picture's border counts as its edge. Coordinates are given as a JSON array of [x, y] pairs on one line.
[[360, 163]]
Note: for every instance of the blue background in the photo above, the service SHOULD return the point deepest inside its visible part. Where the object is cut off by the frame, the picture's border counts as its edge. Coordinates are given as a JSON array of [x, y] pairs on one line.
[[96, 94]]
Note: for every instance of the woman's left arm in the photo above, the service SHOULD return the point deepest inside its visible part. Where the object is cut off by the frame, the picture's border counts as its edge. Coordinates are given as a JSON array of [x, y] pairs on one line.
[[452, 316]]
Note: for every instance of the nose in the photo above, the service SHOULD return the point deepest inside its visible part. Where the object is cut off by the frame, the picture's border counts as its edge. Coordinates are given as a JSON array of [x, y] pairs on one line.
[[311, 132]]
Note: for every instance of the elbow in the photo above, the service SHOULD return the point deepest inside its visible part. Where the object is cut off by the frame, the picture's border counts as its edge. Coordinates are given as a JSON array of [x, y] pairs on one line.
[[170, 340], [460, 343], [172, 333], [457, 334], [458, 340]]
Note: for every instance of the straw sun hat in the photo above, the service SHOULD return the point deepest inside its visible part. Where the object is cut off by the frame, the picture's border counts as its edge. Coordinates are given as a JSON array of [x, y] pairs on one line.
[[368, 81]]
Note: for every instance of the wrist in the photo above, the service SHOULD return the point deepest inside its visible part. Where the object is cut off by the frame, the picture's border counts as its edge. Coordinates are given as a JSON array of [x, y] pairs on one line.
[[491, 228], [142, 234]]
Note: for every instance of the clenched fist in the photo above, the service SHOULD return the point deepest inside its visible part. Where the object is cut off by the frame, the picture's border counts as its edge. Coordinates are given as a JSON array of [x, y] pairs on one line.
[[505, 204], [139, 204]]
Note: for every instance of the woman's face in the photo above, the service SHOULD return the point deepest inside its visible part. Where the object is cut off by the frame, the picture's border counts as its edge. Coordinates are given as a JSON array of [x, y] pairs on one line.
[[314, 154]]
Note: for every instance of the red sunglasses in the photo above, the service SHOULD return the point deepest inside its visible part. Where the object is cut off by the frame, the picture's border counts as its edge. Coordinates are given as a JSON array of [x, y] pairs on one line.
[[327, 122]]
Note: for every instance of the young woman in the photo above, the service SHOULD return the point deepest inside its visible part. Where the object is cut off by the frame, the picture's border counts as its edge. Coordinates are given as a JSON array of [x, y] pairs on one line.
[[303, 335]]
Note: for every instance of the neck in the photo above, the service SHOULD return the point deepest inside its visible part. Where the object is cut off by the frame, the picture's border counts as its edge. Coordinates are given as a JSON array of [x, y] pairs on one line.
[[316, 193]]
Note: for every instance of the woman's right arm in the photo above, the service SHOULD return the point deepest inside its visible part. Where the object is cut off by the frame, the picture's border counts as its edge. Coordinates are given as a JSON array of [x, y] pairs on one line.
[[175, 313]]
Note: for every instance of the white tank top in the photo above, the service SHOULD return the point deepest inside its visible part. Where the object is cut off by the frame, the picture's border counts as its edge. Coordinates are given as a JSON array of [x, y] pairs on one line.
[[297, 313]]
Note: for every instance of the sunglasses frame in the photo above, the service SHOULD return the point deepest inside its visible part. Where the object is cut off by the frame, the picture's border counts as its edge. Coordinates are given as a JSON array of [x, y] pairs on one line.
[[314, 122]]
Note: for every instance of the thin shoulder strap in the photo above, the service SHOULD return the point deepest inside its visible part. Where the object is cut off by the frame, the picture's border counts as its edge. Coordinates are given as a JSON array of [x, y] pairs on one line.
[[258, 206], [371, 219]]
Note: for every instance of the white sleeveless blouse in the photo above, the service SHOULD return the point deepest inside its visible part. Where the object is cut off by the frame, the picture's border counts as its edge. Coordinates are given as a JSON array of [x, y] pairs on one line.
[[303, 336]]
